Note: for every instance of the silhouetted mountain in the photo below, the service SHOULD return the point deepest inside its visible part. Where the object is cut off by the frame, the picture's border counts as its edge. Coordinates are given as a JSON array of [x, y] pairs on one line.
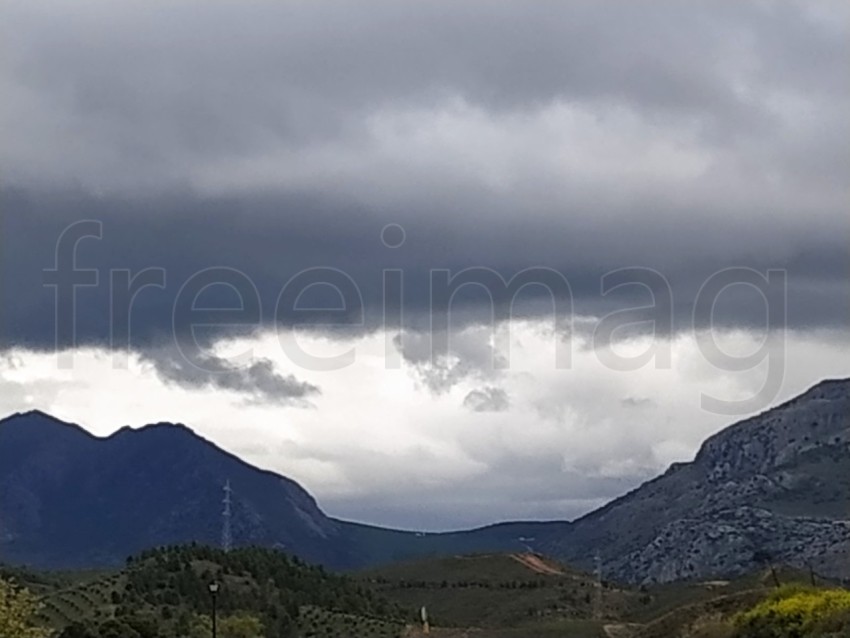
[[70, 499]]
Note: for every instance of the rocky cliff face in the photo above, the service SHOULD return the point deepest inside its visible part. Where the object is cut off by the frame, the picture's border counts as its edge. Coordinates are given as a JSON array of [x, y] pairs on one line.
[[775, 486]]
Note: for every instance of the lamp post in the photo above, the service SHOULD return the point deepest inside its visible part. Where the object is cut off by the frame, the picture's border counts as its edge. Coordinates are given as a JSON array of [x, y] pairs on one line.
[[213, 594]]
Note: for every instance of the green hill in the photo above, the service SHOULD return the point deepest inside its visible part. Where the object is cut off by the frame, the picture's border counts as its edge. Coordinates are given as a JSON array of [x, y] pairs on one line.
[[164, 593], [502, 591]]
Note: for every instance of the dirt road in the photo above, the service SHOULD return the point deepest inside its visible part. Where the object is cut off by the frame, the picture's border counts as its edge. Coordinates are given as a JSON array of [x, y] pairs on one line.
[[536, 564]]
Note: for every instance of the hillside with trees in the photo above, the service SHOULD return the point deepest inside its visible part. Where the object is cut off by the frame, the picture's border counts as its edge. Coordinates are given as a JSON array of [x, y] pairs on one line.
[[165, 593]]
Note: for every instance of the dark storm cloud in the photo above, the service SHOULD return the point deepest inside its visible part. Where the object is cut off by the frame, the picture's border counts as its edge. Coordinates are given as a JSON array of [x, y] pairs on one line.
[[468, 354], [205, 79], [270, 138], [268, 242], [258, 379]]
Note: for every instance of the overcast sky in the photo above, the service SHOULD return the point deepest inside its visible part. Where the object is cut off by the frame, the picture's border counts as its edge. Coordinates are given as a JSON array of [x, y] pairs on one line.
[[236, 152]]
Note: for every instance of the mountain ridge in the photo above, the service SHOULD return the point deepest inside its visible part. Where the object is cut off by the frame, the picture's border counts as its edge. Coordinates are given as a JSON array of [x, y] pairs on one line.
[[771, 484], [736, 495]]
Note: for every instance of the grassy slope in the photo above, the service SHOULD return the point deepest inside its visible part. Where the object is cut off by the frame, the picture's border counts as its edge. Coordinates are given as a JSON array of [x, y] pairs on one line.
[[479, 591], [83, 597], [378, 546], [498, 590], [680, 605]]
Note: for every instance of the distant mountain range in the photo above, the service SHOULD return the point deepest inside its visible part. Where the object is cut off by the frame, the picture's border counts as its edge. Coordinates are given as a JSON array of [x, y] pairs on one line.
[[773, 487]]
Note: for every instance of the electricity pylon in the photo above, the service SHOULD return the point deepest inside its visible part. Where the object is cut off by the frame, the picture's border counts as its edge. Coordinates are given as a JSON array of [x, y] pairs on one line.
[[226, 536]]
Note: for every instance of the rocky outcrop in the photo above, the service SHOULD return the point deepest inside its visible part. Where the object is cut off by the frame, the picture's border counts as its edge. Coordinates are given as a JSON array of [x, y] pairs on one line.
[[775, 486]]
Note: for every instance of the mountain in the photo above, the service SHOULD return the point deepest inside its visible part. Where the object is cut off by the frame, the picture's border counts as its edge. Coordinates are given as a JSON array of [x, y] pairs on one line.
[[69, 499], [774, 487]]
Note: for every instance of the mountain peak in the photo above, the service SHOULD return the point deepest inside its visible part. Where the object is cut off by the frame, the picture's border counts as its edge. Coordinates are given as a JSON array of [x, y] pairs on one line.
[[37, 422], [830, 389], [34, 413], [156, 484], [38, 419], [160, 426]]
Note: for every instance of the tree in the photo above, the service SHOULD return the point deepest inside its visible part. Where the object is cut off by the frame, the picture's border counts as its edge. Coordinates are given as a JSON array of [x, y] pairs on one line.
[[18, 608]]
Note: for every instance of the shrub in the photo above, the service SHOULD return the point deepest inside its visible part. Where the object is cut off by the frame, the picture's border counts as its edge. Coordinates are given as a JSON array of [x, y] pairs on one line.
[[796, 612]]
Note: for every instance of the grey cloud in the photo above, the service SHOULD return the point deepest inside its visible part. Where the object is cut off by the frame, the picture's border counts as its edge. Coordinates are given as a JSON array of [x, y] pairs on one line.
[[256, 381], [469, 353], [269, 138], [260, 73], [270, 240], [487, 399], [150, 94]]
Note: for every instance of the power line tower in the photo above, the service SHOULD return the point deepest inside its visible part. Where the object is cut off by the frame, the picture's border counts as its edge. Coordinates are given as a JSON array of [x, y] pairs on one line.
[[597, 602], [226, 536]]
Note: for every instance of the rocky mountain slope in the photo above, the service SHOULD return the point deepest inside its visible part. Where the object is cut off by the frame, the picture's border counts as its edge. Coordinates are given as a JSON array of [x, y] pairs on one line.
[[774, 487]]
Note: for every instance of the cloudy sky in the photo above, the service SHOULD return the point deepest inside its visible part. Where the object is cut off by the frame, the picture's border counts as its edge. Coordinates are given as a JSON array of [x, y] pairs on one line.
[[444, 263]]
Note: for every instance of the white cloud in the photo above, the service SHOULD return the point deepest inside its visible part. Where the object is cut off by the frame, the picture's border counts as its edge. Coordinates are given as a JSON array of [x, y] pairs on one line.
[[377, 440]]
